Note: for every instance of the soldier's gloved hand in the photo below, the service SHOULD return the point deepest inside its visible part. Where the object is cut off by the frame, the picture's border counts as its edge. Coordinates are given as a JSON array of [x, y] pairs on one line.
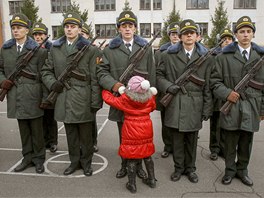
[[173, 89], [57, 87], [205, 118], [7, 84], [116, 86]]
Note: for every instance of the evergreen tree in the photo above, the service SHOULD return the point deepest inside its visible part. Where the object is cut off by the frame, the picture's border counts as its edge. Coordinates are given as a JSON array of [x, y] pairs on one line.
[[127, 7], [219, 21], [31, 11], [173, 17], [75, 7]]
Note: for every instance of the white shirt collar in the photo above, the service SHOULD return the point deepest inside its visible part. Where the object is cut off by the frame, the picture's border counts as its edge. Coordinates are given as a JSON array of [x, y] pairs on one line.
[[21, 45], [69, 43], [131, 43], [190, 52], [242, 49]]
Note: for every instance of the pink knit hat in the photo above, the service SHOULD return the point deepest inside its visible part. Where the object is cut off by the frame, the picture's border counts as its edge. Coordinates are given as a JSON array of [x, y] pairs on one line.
[[138, 84]]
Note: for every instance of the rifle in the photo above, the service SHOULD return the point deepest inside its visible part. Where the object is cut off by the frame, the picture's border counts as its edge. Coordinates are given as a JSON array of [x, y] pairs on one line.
[[101, 44], [246, 81], [135, 60], [188, 75], [19, 69], [67, 73]]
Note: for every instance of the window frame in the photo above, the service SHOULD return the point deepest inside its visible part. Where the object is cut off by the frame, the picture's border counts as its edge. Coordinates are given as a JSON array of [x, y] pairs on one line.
[[20, 4], [62, 4], [102, 4], [197, 5], [155, 29], [155, 3], [141, 33], [202, 28], [111, 29], [144, 2], [244, 3], [57, 31]]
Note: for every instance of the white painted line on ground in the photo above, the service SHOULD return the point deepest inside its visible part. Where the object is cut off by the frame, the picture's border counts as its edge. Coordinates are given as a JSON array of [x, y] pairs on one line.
[[102, 127], [13, 167]]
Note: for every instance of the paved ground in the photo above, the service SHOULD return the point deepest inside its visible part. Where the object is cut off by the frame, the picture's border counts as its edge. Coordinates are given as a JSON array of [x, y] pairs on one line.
[[106, 162]]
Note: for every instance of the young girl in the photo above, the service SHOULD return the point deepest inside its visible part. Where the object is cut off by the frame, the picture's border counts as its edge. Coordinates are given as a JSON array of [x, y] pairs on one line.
[[137, 100]]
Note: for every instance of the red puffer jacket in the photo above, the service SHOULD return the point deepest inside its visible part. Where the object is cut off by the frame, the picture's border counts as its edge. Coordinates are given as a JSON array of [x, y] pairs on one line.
[[137, 131]]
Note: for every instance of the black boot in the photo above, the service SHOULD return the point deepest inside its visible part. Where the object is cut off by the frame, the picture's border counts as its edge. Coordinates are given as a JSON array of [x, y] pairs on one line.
[[140, 171], [131, 172], [123, 171], [150, 180]]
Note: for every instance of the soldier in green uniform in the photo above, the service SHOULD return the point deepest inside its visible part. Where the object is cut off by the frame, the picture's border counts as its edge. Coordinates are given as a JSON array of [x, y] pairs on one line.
[[173, 33], [50, 126], [85, 33], [75, 107], [24, 95], [216, 144], [244, 117], [185, 113], [116, 57]]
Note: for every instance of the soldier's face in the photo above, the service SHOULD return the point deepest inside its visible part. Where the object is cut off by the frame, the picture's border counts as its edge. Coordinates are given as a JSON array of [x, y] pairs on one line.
[[127, 30], [189, 37], [244, 36], [19, 32], [39, 37], [71, 31], [227, 41], [174, 37]]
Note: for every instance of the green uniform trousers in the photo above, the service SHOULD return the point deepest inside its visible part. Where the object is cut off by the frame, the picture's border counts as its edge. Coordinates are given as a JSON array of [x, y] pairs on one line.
[[238, 144], [184, 150], [32, 139], [166, 135], [217, 138], [50, 128], [80, 144]]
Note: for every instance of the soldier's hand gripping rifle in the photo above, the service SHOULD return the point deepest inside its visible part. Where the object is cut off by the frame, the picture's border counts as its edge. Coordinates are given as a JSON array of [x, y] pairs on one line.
[[67, 73], [188, 75], [20, 66], [246, 81], [135, 60]]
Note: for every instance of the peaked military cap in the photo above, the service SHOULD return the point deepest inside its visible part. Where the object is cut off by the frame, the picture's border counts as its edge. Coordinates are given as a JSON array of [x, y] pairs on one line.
[[85, 28], [226, 32], [39, 28], [173, 27], [21, 20], [126, 17], [244, 21], [188, 25], [72, 18]]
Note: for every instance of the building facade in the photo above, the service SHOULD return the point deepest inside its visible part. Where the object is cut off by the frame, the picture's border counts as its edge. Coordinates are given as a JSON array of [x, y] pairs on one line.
[[151, 14]]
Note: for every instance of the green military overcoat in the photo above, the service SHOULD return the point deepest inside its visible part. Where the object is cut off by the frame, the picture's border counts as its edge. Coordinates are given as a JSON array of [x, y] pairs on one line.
[[25, 96], [185, 111], [73, 105], [229, 70], [116, 58]]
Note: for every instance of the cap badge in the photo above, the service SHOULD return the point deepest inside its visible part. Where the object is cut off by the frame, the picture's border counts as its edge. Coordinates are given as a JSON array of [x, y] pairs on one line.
[[37, 26], [187, 23], [176, 26], [245, 19], [226, 31], [127, 16], [69, 15], [17, 18]]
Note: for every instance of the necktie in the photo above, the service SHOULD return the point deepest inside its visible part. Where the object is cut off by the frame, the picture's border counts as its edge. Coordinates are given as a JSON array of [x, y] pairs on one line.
[[244, 53], [128, 46], [188, 57], [18, 48]]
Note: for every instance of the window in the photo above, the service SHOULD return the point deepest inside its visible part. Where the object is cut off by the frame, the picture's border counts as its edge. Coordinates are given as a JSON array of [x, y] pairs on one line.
[[157, 5], [197, 4], [156, 28], [144, 5], [60, 5], [203, 28], [106, 30], [245, 4], [104, 5], [15, 7], [145, 30], [55, 32]]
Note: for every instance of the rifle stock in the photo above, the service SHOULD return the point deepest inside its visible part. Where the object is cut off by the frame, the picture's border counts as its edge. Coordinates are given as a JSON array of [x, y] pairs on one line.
[[52, 97], [19, 69], [245, 82], [188, 75]]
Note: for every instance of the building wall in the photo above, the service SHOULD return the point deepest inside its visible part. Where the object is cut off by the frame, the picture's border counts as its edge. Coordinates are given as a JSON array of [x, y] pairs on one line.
[[1, 30], [144, 16]]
